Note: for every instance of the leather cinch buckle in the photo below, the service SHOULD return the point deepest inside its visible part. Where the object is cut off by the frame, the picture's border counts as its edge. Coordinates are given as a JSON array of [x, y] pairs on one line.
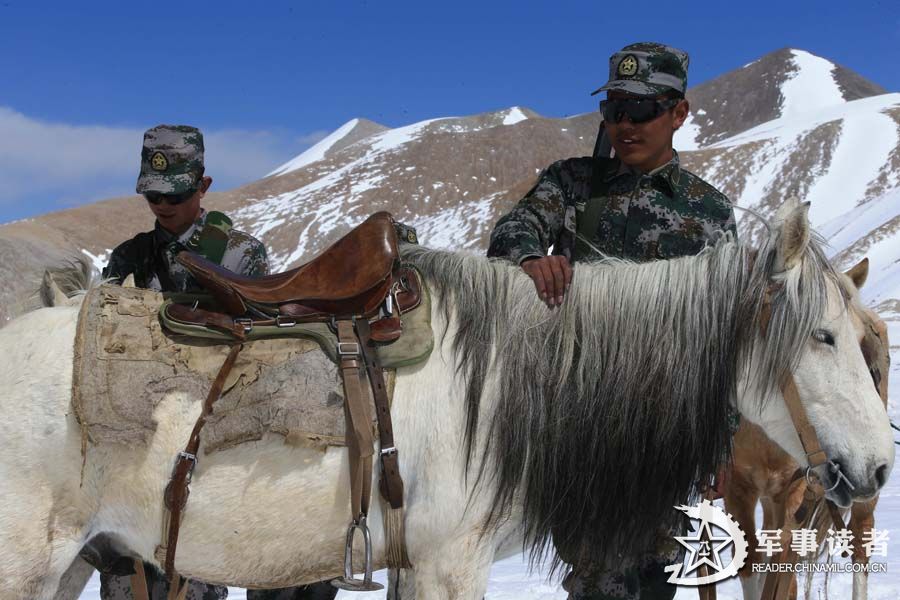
[[347, 582], [348, 349], [244, 322], [192, 458]]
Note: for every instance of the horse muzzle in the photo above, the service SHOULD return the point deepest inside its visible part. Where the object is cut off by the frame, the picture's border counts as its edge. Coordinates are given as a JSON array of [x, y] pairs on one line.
[[843, 486]]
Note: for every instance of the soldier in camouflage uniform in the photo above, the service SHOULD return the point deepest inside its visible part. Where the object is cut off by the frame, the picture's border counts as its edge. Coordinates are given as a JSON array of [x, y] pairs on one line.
[[639, 204], [173, 181]]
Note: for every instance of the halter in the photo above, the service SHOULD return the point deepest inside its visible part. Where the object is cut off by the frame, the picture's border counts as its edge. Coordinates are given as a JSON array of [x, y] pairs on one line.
[[815, 456], [777, 584]]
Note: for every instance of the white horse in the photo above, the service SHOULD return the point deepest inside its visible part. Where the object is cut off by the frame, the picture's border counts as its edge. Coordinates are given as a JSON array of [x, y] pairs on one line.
[[584, 423]]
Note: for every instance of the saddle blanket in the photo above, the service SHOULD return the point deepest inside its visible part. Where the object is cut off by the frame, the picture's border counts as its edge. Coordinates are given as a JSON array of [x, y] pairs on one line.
[[126, 363]]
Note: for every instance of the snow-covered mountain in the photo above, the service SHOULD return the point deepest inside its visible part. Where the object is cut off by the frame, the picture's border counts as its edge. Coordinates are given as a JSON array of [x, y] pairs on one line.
[[787, 123]]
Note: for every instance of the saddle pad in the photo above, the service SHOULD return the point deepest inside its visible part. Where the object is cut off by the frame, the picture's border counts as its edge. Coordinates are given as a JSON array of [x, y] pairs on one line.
[[126, 364], [413, 347]]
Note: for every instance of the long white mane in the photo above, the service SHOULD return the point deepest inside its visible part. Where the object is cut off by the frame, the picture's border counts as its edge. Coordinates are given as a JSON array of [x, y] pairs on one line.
[[610, 409]]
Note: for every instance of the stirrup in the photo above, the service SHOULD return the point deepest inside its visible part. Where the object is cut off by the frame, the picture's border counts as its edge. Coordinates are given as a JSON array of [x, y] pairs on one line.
[[347, 582]]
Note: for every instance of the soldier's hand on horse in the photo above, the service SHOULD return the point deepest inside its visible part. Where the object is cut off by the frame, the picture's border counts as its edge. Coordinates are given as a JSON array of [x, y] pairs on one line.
[[551, 275]]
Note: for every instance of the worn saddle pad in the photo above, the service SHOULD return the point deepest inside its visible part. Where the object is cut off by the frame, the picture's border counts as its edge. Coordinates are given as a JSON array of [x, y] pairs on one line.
[[125, 363]]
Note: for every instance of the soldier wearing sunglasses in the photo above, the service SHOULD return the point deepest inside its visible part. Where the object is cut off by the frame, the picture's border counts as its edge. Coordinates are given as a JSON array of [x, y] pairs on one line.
[[638, 204], [173, 182], [632, 200]]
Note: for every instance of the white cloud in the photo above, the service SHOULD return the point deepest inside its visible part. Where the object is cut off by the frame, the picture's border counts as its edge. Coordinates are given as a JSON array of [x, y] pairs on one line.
[[57, 165]]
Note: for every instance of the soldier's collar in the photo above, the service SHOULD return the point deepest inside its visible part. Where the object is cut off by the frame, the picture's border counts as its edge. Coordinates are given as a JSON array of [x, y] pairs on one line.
[[193, 229], [616, 168], [670, 173], [166, 237]]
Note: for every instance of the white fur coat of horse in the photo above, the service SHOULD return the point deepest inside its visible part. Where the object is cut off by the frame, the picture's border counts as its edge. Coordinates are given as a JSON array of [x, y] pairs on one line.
[[268, 515]]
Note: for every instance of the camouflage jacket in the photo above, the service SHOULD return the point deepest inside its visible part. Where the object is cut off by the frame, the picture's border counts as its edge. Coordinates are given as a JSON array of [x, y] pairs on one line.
[[150, 256], [663, 214]]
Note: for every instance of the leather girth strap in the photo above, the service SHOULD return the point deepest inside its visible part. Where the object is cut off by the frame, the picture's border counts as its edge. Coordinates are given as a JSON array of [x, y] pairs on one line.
[[178, 490], [360, 442], [390, 485]]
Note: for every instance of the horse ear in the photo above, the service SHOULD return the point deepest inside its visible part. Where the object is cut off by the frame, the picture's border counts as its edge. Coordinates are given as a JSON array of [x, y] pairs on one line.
[[785, 210], [793, 238], [51, 294], [859, 272]]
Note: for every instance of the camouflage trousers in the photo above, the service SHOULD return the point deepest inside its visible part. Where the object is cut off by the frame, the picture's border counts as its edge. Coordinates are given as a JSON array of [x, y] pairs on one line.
[[118, 587], [638, 578], [115, 587]]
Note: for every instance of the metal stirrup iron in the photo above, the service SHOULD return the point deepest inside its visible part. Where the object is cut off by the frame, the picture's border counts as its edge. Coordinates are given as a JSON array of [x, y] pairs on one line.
[[347, 582]]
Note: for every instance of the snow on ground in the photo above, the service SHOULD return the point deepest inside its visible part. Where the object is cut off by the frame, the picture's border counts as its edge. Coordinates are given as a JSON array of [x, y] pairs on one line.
[[812, 86], [317, 152]]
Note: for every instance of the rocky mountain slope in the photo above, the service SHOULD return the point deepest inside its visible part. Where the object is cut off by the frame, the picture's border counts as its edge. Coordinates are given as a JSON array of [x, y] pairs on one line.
[[787, 123]]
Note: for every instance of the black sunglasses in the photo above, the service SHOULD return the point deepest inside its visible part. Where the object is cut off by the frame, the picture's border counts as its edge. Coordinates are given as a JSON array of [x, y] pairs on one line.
[[157, 198], [639, 110]]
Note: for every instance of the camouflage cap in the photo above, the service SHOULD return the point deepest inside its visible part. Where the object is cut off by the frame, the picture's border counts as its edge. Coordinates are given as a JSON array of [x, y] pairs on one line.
[[171, 159], [647, 69]]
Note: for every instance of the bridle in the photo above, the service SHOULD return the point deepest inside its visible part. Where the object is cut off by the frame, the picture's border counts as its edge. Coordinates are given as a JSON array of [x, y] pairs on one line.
[[815, 456]]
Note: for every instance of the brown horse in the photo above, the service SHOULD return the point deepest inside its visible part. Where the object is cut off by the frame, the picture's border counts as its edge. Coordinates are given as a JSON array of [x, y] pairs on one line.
[[763, 472]]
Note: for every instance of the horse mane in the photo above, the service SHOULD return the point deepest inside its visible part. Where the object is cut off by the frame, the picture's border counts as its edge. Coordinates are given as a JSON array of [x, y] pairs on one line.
[[608, 410], [73, 277]]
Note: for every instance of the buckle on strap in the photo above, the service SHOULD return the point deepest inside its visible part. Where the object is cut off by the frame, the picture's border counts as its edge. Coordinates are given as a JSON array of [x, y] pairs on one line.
[[388, 451], [244, 322], [348, 582], [192, 458], [282, 321], [348, 349]]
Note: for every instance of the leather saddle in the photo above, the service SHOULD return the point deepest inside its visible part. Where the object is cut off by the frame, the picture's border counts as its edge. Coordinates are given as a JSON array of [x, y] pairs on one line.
[[353, 277], [356, 280]]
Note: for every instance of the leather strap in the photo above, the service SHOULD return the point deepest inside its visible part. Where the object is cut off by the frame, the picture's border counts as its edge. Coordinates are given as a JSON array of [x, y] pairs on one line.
[[778, 583], [177, 491], [360, 441], [808, 438], [391, 484], [139, 581], [835, 513], [706, 592]]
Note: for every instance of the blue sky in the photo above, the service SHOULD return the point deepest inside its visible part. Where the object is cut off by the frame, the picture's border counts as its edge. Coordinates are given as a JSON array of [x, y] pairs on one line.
[[79, 82]]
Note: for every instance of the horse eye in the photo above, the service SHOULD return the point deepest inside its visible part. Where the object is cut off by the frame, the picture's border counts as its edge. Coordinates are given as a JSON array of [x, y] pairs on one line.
[[824, 336]]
